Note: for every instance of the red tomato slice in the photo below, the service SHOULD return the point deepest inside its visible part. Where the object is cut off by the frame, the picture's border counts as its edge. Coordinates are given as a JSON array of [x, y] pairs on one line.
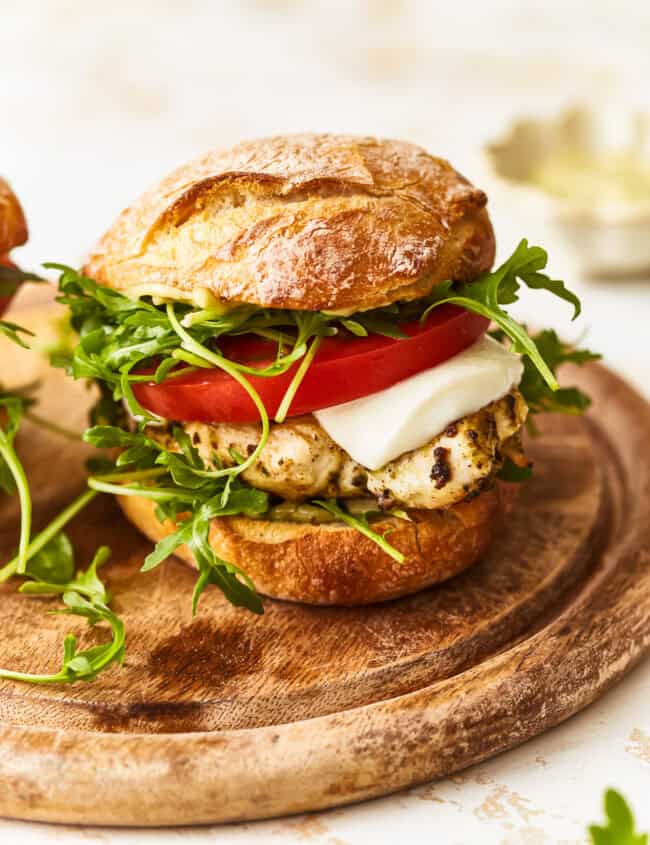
[[343, 369], [5, 300]]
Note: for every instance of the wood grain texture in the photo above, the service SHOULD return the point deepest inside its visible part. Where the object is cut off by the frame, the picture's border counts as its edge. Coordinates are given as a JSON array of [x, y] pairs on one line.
[[227, 716]]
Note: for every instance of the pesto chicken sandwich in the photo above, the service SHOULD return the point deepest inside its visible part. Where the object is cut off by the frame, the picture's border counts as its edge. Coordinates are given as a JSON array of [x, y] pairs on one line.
[[310, 384]]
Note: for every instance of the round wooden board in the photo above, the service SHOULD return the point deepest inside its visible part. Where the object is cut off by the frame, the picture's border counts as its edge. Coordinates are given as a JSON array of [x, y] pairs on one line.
[[228, 716]]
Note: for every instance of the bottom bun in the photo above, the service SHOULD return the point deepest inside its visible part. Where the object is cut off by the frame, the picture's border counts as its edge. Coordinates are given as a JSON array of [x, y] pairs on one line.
[[335, 565]]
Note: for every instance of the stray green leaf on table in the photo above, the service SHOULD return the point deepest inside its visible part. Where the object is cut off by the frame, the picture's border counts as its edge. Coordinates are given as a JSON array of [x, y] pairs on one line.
[[619, 828], [85, 595]]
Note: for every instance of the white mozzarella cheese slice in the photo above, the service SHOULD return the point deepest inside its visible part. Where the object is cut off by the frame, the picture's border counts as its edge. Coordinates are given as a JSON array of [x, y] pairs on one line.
[[376, 429]]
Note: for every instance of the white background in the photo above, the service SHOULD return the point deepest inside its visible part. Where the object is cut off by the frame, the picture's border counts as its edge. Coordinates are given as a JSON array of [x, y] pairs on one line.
[[98, 100]]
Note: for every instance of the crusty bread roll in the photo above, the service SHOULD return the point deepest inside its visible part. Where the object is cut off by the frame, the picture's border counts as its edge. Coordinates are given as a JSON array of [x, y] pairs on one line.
[[309, 222], [13, 227], [335, 565]]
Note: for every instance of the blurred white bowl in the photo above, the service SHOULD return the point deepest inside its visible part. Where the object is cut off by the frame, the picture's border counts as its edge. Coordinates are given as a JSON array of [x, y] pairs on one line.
[[587, 172]]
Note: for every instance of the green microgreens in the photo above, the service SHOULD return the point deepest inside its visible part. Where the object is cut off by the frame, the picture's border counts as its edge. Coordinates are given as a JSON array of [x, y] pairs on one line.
[[125, 341], [487, 294], [283, 409], [360, 523], [538, 395], [52, 572], [12, 474], [54, 563], [17, 404], [198, 350], [541, 398], [119, 335], [84, 594], [188, 494], [513, 473], [13, 332], [41, 540]]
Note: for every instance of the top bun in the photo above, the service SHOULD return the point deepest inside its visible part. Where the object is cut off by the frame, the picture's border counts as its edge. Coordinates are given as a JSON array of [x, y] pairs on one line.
[[316, 222], [13, 227]]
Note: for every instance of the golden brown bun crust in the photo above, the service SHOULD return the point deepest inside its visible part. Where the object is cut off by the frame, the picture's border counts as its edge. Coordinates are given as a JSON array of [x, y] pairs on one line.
[[310, 222], [13, 227], [337, 565]]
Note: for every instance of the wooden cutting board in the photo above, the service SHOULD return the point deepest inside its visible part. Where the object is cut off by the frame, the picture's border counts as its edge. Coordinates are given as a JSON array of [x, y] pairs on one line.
[[229, 716]]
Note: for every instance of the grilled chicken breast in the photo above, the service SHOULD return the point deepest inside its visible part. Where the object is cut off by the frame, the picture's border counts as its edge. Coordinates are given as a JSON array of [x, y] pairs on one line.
[[300, 460]]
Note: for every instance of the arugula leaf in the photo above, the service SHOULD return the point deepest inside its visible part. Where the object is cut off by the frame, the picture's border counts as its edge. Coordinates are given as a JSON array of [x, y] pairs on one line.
[[619, 828], [188, 449], [48, 551], [112, 437], [12, 474], [13, 332], [84, 596], [194, 532], [501, 286], [86, 582], [513, 473], [539, 397], [54, 563], [187, 493], [236, 586], [536, 392], [44, 537], [490, 291], [360, 522], [166, 547]]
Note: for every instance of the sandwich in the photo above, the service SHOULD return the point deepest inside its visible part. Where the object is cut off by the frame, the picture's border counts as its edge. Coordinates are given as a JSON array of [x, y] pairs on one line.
[[13, 233], [309, 384]]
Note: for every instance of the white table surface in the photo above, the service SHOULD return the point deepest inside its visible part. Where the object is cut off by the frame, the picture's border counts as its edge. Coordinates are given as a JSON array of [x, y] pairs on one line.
[[98, 100]]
